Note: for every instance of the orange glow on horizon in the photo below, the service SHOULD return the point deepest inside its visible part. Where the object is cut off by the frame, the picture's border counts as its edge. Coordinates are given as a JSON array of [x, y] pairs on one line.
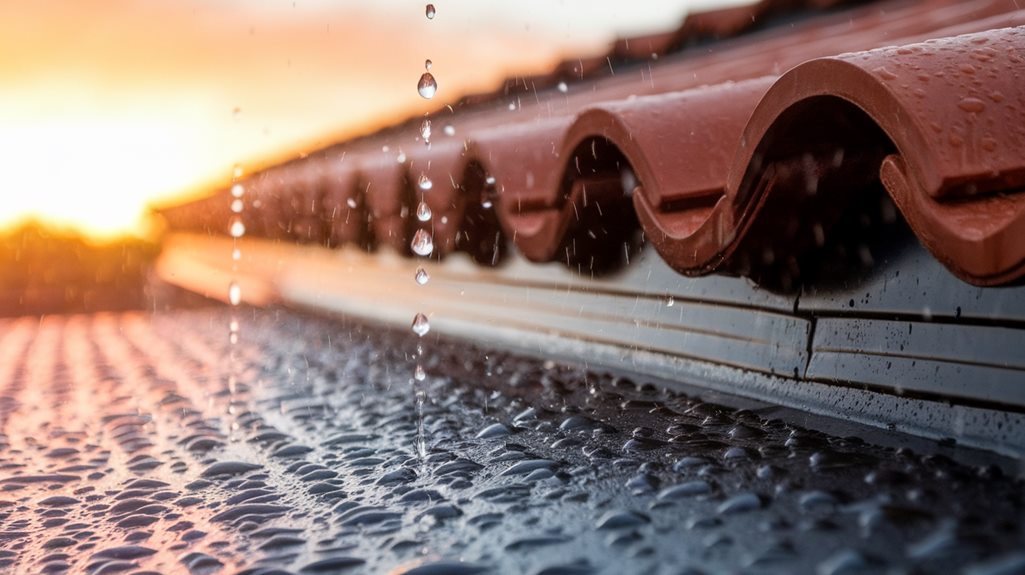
[[108, 107]]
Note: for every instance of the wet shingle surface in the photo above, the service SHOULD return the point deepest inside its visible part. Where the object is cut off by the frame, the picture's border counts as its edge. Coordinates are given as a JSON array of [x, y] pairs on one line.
[[134, 443]]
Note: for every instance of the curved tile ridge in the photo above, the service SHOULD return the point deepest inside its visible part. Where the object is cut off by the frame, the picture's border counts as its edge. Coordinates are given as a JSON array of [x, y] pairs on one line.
[[524, 162], [952, 112], [940, 123], [679, 147]]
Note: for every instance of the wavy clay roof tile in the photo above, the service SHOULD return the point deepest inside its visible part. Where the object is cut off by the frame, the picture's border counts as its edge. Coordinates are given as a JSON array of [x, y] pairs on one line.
[[735, 142]]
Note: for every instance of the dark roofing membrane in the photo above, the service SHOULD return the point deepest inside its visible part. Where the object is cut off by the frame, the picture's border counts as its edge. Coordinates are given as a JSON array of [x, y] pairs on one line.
[[734, 142]]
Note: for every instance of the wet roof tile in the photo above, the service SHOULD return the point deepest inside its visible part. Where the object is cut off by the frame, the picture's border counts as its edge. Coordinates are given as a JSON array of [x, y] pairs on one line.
[[707, 137]]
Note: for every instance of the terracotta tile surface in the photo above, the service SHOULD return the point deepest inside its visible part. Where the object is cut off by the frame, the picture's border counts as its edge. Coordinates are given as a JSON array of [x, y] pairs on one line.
[[734, 143]]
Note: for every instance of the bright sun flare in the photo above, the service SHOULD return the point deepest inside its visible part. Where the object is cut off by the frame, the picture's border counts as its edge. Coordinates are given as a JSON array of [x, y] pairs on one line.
[[96, 173]]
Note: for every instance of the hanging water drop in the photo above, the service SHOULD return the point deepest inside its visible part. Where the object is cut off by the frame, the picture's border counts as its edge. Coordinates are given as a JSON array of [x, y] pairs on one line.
[[427, 86], [422, 277], [430, 11], [425, 130], [237, 229], [425, 183], [421, 325], [423, 211], [423, 243], [234, 293], [238, 190]]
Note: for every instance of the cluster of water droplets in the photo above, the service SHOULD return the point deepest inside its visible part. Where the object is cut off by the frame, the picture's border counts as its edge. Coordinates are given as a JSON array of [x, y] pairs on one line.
[[423, 246]]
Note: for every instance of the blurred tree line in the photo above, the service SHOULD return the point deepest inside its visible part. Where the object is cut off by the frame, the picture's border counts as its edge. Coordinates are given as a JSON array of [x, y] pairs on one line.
[[47, 271]]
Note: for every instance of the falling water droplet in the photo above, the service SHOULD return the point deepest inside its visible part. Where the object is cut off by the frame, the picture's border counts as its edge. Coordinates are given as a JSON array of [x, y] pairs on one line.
[[425, 130], [450, 130], [423, 211], [236, 254], [427, 86], [670, 302], [421, 325], [428, 64], [237, 229], [237, 205], [401, 158], [419, 374], [422, 277], [351, 202], [423, 243], [234, 293], [236, 171], [425, 183], [490, 180], [430, 11], [233, 332], [238, 190], [563, 87]]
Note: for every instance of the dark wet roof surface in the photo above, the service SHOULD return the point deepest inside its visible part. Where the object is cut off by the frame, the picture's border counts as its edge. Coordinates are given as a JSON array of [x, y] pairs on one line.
[[734, 142], [129, 443]]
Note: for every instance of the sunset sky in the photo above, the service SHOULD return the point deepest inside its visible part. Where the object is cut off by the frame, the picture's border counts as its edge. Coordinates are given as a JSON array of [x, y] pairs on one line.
[[107, 106]]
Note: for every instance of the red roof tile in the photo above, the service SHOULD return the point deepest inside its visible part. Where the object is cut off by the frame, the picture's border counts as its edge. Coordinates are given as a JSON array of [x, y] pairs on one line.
[[726, 162]]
